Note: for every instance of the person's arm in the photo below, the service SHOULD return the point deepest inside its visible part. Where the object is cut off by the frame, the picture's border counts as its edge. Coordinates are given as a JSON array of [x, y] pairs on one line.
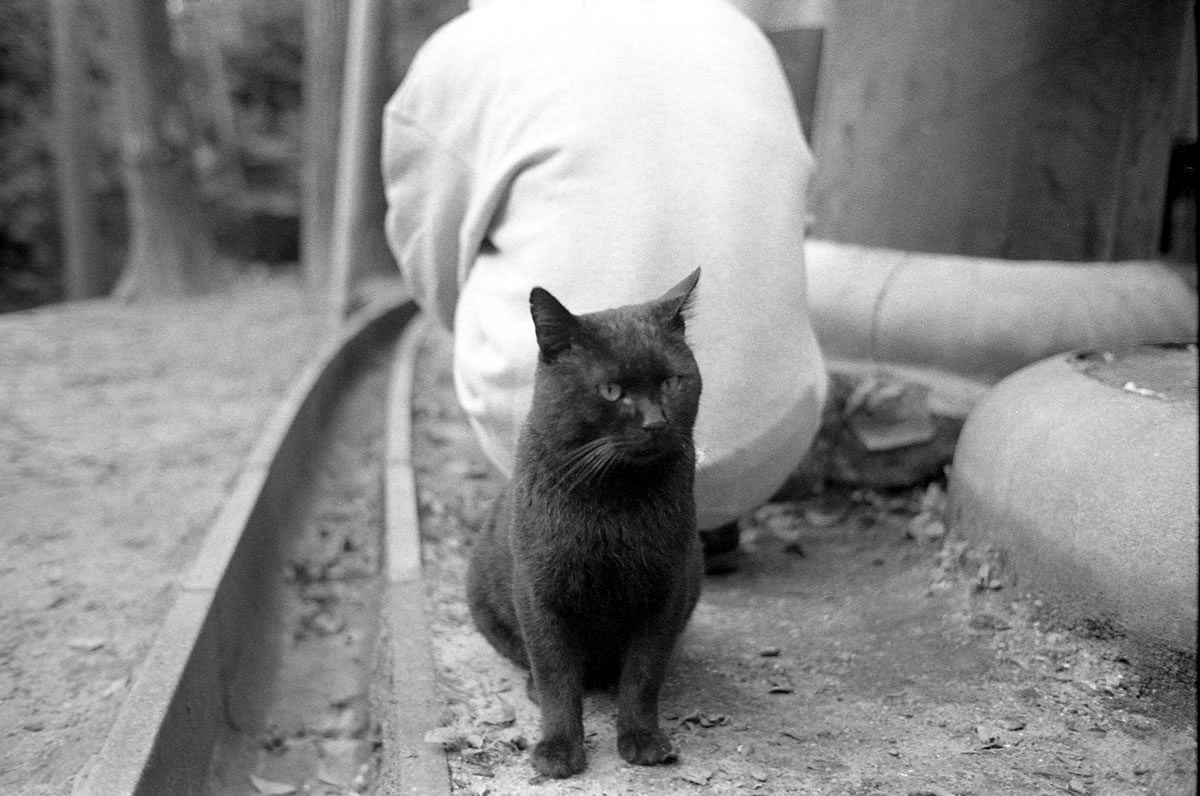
[[428, 190]]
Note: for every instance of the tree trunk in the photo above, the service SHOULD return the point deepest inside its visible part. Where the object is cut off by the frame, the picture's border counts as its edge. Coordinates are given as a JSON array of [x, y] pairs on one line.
[[171, 251], [84, 271], [325, 25]]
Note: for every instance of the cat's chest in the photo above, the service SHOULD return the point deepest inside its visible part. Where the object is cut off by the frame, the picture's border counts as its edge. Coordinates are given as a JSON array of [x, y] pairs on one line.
[[587, 557], [606, 582]]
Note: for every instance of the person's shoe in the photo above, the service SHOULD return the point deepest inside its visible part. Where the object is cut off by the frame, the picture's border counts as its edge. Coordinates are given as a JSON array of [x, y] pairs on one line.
[[720, 549]]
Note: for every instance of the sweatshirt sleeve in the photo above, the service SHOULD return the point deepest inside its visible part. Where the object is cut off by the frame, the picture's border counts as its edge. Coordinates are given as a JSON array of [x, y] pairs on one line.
[[428, 192]]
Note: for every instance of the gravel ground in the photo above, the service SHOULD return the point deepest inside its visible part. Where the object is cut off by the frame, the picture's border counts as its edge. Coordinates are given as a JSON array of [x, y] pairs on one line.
[[121, 429], [858, 650], [844, 656]]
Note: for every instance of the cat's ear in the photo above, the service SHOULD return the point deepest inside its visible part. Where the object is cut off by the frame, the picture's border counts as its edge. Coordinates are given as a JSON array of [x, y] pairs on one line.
[[554, 324], [677, 302]]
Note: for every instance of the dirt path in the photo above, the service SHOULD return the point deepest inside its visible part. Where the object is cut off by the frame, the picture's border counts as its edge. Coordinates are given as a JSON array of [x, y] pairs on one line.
[[840, 658], [121, 428]]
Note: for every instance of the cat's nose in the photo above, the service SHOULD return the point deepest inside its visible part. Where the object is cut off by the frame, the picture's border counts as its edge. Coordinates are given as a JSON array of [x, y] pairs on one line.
[[652, 416]]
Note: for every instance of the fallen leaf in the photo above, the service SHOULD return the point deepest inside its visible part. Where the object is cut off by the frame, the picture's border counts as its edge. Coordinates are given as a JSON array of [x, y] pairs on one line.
[[925, 528], [325, 622], [886, 414], [705, 720], [115, 686], [934, 499], [931, 790], [988, 622], [1138, 390], [329, 777], [501, 714], [267, 786], [826, 511], [989, 735], [87, 643], [340, 758], [449, 737], [513, 737], [697, 777]]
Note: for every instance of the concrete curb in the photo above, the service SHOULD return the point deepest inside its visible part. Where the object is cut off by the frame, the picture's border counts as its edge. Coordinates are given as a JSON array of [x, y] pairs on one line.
[[984, 318], [411, 706], [163, 736], [1089, 491]]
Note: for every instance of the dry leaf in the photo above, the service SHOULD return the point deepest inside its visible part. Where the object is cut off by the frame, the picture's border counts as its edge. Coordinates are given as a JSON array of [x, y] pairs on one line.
[[989, 735], [267, 786], [115, 686], [500, 715], [926, 527], [87, 643], [329, 777], [698, 777], [448, 737], [931, 790]]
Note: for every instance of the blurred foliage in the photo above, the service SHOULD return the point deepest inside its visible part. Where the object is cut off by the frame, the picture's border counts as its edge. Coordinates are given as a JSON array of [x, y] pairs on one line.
[[28, 240], [256, 216], [262, 45], [265, 67]]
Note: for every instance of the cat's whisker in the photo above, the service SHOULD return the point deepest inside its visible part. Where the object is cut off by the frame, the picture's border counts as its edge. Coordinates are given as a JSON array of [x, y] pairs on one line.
[[600, 462], [572, 476], [579, 463], [606, 463]]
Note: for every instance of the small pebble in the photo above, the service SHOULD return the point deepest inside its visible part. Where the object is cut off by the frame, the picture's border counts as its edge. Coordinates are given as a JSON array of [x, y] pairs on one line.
[[769, 652]]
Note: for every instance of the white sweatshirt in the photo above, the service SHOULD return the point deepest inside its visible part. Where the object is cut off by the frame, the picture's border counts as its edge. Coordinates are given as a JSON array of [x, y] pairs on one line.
[[603, 149]]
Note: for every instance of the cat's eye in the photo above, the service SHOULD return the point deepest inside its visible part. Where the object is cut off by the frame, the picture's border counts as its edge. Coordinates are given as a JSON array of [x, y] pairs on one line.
[[610, 391], [672, 383]]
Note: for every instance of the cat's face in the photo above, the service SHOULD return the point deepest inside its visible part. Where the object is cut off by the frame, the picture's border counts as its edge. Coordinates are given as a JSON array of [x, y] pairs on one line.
[[616, 388]]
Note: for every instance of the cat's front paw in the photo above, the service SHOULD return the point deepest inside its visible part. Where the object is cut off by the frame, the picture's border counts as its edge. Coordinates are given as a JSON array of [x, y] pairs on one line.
[[646, 747], [559, 758]]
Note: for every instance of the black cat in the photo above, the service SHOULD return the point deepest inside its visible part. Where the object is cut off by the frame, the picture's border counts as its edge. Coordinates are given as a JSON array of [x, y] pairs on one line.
[[590, 565]]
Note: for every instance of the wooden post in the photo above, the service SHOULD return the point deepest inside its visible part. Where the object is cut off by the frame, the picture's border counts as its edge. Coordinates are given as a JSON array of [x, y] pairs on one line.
[[1024, 130], [325, 28], [84, 271], [358, 150]]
